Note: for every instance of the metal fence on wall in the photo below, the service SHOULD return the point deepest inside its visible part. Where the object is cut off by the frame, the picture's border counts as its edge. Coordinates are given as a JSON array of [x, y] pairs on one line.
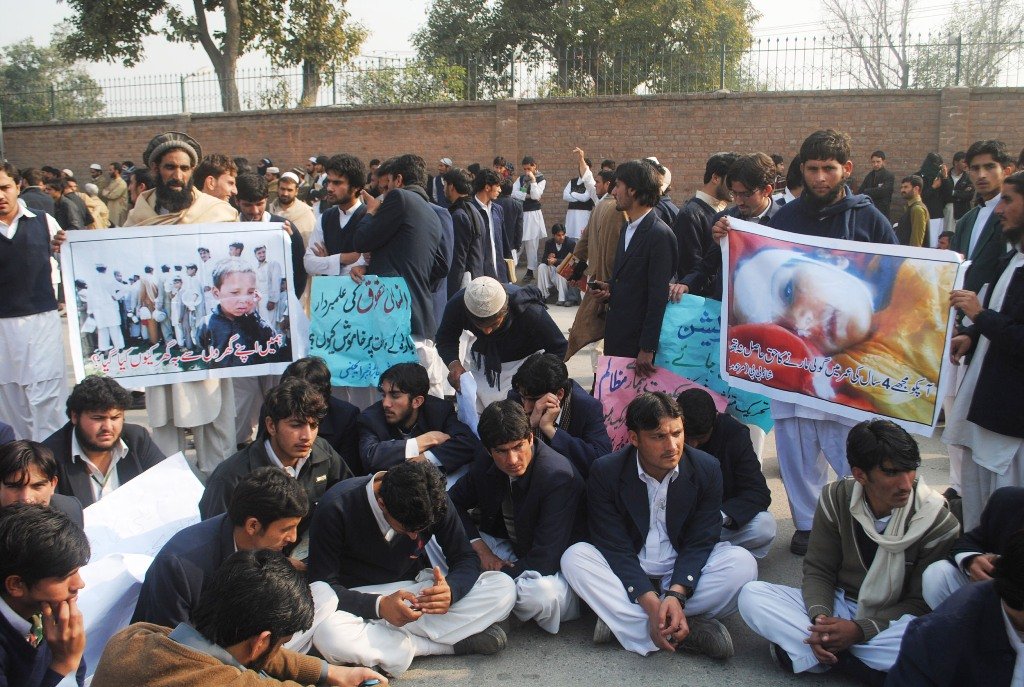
[[766, 64]]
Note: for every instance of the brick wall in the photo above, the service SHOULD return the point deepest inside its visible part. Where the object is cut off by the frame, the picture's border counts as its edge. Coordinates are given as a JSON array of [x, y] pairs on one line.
[[681, 130]]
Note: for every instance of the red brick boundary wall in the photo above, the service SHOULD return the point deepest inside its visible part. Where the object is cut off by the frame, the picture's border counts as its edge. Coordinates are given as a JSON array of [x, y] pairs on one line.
[[681, 130]]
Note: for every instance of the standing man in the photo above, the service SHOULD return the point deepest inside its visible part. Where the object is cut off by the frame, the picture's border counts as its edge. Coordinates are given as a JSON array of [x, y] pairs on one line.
[[512, 209], [963, 187], [105, 293], [577, 194], [115, 193], [468, 228], [32, 385], [493, 241], [268, 285], [437, 182], [287, 205], [272, 175], [331, 248], [878, 183], [985, 420], [827, 208], [529, 189], [655, 574], [912, 229], [645, 260], [207, 407]]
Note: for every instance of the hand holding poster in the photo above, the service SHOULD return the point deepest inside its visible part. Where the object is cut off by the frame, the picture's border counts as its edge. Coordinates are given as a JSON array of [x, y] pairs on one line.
[[856, 329], [361, 329], [161, 305]]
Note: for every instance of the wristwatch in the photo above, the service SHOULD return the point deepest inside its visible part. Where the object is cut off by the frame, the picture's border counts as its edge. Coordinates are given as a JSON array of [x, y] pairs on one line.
[[678, 596]]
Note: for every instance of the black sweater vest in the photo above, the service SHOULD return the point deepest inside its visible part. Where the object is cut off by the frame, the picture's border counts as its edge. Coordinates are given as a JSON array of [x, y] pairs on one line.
[[577, 186], [25, 269], [529, 204]]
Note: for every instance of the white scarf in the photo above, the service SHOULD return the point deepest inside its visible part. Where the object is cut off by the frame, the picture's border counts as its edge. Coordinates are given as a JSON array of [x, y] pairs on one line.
[[883, 584]]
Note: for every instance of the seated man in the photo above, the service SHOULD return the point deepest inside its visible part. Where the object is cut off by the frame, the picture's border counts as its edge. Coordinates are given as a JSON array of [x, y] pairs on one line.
[[656, 575], [973, 638], [562, 414], [556, 249], [409, 424], [367, 541], [531, 509], [975, 553], [338, 427], [265, 511], [872, 538], [252, 606], [287, 440], [97, 451], [28, 474], [42, 633], [746, 521]]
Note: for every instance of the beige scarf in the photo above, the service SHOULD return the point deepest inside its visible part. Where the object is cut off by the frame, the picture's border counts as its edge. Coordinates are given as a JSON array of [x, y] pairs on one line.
[[204, 209], [883, 584]]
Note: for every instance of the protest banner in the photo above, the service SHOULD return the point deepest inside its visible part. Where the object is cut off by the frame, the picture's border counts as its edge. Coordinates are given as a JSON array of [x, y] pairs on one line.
[[162, 305], [855, 329], [361, 329], [618, 384], [126, 529], [691, 333]]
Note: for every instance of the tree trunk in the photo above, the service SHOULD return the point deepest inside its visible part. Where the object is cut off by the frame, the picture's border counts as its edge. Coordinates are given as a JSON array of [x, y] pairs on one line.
[[223, 60], [310, 84]]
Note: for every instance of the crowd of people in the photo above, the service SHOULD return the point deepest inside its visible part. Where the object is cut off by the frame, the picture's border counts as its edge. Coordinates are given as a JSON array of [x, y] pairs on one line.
[[347, 531]]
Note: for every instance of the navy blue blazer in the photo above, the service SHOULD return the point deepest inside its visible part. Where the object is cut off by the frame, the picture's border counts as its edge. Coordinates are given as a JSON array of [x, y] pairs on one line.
[[501, 249], [988, 249], [468, 253], [69, 506], [405, 237], [175, 579], [962, 642], [1002, 517], [697, 268], [439, 280], [548, 507], [382, 446], [620, 516], [585, 438], [73, 478], [512, 209], [347, 549], [744, 490], [22, 665], [639, 288]]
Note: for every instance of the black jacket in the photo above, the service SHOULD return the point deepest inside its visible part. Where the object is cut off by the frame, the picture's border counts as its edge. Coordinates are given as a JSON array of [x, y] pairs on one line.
[[878, 186], [854, 218], [69, 506], [985, 267], [561, 253], [548, 507], [73, 478], [382, 446], [697, 267], [639, 288], [347, 549], [37, 201], [744, 490], [619, 516], [512, 209], [468, 253], [963, 195], [1002, 517]]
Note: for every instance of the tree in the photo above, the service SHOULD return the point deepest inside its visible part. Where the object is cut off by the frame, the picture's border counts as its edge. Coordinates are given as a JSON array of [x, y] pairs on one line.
[[588, 46], [37, 85], [414, 81], [877, 32]]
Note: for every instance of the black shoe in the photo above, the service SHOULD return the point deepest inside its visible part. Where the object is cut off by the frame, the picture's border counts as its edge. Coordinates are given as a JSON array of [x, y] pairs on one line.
[[798, 544], [781, 658], [490, 641], [528, 276], [852, 666], [708, 637]]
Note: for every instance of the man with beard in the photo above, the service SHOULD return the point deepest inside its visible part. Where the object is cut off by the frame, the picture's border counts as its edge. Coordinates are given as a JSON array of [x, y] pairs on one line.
[[97, 451], [287, 205], [331, 248], [255, 603], [829, 209], [208, 406], [912, 229], [115, 193], [985, 420]]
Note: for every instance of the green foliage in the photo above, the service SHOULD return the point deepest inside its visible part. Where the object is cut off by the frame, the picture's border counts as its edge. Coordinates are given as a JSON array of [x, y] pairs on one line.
[[27, 73], [415, 81]]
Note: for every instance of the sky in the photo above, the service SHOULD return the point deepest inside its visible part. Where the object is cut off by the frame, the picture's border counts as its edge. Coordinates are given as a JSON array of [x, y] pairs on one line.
[[391, 23]]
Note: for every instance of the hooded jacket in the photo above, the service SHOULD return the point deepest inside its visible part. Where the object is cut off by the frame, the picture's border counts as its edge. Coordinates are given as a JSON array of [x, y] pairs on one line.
[[852, 218]]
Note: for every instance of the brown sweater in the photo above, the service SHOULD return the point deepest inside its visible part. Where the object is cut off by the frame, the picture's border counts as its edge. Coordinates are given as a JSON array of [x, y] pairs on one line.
[[143, 654], [834, 561]]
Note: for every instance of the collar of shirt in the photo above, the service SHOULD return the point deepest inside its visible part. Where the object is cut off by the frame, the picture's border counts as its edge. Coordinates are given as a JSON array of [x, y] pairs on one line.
[[292, 472], [882, 523], [486, 208], [378, 513], [186, 635], [20, 625], [631, 227], [644, 477], [716, 204], [119, 451], [351, 210], [10, 229], [1016, 643]]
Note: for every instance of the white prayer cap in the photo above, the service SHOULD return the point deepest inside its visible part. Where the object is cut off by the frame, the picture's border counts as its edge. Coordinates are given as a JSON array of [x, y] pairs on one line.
[[68, 173], [484, 297], [273, 170], [313, 160], [96, 166], [290, 175], [92, 189], [446, 161]]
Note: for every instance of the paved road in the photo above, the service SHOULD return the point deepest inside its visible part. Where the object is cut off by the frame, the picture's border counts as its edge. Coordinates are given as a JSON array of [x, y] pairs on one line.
[[534, 658]]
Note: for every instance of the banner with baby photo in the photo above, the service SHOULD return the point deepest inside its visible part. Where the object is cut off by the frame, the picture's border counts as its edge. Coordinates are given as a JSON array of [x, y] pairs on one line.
[[168, 304], [860, 330]]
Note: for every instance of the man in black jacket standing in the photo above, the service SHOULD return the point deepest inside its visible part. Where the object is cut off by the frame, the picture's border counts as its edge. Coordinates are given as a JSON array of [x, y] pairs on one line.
[[699, 269], [878, 184]]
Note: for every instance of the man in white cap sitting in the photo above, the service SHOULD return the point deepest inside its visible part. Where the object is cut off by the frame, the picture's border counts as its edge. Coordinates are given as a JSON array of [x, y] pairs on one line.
[[510, 324]]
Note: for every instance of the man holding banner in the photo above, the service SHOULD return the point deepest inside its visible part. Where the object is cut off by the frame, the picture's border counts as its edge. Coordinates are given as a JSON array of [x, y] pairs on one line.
[[829, 209]]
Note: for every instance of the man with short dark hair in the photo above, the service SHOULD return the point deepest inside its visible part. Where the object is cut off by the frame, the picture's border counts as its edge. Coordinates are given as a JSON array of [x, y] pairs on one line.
[[655, 574], [265, 510], [529, 189], [561, 414], [468, 226], [287, 440], [873, 536], [216, 175], [577, 194], [331, 250], [96, 450], [912, 228], [556, 249], [531, 508], [645, 261], [963, 187], [237, 634], [368, 542], [32, 192], [42, 633], [494, 245], [409, 424], [68, 213], [878, 183], [746, 521], [28, 474]]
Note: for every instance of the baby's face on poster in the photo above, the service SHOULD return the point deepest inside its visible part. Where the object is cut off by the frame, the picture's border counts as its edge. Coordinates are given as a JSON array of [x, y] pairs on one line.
[[237, 294]]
